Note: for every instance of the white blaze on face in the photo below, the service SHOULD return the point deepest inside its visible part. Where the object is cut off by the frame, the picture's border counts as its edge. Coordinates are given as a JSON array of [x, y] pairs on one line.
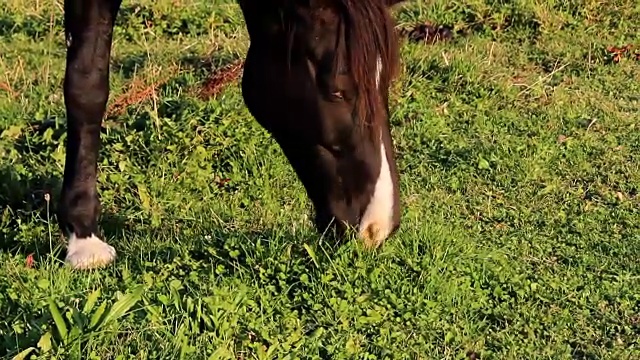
[[377, 221], [89, 253], [378, 70]]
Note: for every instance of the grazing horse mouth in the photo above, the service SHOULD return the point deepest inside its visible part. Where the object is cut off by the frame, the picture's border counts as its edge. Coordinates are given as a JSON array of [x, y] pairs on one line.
[[317, 78]]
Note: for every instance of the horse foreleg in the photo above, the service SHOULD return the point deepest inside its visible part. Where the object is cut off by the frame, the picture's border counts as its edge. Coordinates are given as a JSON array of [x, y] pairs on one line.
[[88, 28]]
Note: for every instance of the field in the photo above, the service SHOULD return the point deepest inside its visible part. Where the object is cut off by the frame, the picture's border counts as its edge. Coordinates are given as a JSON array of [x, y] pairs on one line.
[[519, 149]]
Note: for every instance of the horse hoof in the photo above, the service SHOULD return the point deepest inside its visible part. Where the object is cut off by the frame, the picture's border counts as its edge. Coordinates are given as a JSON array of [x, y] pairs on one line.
[[89, 253]]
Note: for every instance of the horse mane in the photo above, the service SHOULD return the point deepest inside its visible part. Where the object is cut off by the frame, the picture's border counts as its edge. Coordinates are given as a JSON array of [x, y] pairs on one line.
[[370, 32]]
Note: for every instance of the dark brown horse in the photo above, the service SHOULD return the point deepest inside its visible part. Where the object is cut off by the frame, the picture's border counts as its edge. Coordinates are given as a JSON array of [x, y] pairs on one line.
[[316, 76]]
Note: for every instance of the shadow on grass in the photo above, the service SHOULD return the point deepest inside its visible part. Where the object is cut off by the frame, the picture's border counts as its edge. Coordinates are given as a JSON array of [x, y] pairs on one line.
[[195, 265], [130, 64], [275, 259], [232, 250], [30, 190], [200, 65], [25, 210], [195, 253], [28, 219], [23, 202]]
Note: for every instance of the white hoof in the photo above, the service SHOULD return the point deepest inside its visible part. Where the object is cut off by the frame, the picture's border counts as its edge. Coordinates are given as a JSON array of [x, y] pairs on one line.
[[89, 253]]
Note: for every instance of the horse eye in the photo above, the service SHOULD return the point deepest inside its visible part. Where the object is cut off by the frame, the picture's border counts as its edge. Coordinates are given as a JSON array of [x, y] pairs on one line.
[[339, 95]]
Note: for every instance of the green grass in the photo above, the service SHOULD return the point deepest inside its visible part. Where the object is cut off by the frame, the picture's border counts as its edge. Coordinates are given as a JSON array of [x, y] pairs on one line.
[[519, 151]]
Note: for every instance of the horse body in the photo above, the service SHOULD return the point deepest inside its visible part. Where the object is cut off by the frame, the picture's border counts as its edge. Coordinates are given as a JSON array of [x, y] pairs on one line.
[[316, 77]]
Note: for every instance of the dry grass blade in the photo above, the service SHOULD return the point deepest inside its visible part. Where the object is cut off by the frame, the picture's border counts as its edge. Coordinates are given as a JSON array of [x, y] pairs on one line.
[[617, 53], [219, 79], [137, 93], [6, 87]]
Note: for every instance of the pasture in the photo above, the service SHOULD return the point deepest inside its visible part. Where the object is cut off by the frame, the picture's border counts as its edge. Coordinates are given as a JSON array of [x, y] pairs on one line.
[[518, 145]]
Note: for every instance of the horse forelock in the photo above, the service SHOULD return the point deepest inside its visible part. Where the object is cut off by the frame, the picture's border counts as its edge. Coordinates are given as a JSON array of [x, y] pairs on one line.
[[371, 42]]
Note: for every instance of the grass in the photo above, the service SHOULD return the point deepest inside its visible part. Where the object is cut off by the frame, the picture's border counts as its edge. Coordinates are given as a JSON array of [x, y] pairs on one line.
[[519, 149]]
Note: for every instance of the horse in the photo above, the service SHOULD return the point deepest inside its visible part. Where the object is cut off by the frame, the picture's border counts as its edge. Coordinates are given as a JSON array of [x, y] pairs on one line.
[[316, 77]]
